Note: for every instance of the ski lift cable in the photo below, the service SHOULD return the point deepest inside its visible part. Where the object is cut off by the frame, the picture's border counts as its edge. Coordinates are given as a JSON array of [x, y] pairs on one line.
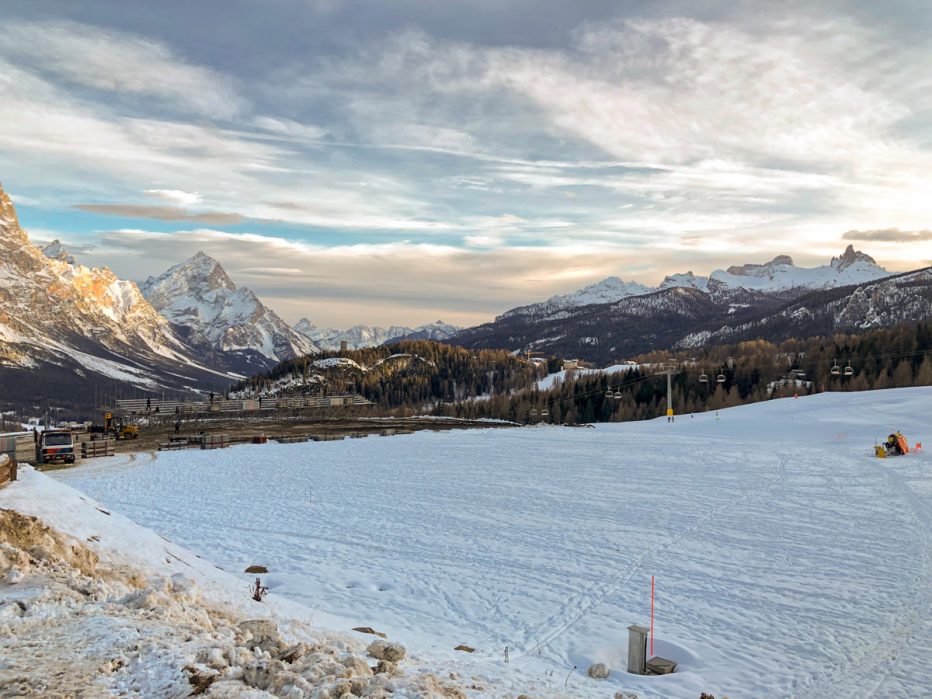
[[651, 377]]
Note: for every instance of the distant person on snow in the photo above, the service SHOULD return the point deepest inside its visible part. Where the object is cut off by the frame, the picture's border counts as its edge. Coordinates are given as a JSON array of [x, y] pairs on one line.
[[148, 405]]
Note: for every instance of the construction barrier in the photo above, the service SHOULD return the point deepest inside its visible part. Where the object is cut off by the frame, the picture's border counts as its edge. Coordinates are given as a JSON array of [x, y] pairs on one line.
[[211, 441]]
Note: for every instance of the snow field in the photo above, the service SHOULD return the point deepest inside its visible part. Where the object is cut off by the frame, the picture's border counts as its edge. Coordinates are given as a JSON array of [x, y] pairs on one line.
[[99, 606], [788, 561]]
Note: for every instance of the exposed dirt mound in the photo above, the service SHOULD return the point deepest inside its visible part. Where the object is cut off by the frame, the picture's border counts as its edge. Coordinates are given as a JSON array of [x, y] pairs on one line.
[[43, 543]]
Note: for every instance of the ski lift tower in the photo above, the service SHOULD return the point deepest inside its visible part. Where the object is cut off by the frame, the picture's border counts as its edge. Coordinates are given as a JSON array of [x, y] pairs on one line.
[[669, 370]]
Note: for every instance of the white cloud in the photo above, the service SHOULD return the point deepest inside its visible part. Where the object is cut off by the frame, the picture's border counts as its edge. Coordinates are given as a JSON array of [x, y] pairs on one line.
[[291, 128], [176, 195], [118, 62]]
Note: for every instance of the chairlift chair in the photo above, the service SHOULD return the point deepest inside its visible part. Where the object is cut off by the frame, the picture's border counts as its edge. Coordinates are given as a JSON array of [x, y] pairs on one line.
[[609, 394], [836, 370], [544, 413], [617, 395], [849, 370], [720, 378], [703, 378], [533, 412]]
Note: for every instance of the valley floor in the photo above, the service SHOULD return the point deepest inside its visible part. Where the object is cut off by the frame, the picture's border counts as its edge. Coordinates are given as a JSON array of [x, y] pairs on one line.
[[789, 562]]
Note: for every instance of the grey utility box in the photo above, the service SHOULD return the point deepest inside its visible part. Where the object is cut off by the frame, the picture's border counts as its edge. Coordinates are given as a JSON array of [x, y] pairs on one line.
[[637, 649]]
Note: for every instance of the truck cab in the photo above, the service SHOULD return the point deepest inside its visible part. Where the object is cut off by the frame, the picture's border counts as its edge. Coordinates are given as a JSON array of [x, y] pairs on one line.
[[55, 445]]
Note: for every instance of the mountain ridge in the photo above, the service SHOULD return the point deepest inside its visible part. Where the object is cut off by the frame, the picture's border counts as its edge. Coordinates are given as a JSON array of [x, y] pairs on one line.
[[362, 336], [61, 323]]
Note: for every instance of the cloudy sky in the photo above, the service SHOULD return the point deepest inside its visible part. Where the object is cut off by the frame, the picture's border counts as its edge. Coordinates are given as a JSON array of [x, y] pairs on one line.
[[404, 161]]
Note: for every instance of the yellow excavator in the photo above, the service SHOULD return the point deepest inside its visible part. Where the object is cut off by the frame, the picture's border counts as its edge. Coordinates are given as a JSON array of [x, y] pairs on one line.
[[117, 427]]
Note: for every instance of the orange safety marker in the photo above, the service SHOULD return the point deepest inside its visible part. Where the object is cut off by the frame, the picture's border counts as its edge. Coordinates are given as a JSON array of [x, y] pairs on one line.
[[918, 446]]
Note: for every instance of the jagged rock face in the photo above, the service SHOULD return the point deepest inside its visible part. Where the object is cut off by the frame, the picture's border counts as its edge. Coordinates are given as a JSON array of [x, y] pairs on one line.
[[756, 270], [360, 336], [200, 299], [851, 258]]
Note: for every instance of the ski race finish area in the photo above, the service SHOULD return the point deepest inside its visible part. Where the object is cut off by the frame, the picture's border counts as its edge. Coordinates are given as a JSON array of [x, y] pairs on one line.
[[788, 561]]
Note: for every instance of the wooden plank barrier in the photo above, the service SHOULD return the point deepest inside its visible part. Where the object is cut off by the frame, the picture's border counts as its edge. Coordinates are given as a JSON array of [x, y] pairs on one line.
[[293, 440], [173, 446], [97, 447]]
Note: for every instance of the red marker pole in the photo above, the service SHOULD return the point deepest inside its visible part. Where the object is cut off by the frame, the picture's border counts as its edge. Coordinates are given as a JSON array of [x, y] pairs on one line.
[[652, 616]]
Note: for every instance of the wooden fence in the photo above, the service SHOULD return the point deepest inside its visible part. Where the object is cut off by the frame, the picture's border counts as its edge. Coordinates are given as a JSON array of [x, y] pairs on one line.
[[97, 447]]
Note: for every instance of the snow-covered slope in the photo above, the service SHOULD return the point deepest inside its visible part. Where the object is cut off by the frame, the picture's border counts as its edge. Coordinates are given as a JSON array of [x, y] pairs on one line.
[[200, 299], [81, 321], [788, 561], [360, 336], [94, 605], [606, 291]]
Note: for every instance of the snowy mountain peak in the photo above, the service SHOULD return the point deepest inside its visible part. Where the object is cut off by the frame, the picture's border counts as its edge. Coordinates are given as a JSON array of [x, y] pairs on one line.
[[56, 251], [199, 272], [605, 291], [608, 290], [687, 280], [199, 296], [760, 270], [851, 257], [305, 327]]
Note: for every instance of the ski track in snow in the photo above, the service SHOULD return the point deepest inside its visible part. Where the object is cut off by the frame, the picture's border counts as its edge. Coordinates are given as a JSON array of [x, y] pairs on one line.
[[789, 562]]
